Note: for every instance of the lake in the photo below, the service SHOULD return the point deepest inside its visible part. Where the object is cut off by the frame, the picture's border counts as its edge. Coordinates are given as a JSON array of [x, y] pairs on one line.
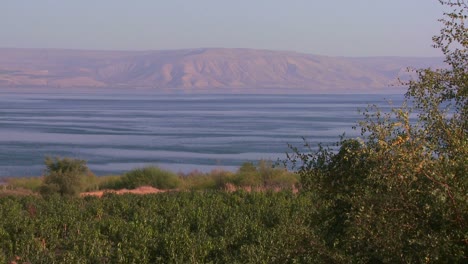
[[120, 131]]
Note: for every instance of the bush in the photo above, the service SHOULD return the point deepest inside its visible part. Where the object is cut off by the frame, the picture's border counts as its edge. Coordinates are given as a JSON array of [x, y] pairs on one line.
[[398, 194], [275, 177], [65, 176], [221, 178], [248, 176], [148, 176], [214, 180], [108, 181], [263, 175]]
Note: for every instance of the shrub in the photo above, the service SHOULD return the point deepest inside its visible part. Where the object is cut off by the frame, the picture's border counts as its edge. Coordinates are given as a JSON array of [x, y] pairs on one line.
[[108, 181], [152, 176], [398, 194], [196, 180], [247, 175], [263, 175], [275, 177], [65, 176], [221, 178]]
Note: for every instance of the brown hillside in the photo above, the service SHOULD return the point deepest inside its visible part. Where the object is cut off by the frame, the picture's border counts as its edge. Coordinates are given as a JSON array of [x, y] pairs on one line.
[[215, 70]]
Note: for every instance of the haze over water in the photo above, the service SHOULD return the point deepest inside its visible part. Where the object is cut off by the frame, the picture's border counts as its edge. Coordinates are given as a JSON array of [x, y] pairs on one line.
[[118, 132]]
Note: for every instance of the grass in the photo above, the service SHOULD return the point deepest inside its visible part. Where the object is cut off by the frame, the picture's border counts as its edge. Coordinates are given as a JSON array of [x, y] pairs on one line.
[[27, 183], [16, 192]]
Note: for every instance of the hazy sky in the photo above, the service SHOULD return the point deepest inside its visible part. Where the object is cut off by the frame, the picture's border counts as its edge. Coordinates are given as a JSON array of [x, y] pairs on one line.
[[325, 27]]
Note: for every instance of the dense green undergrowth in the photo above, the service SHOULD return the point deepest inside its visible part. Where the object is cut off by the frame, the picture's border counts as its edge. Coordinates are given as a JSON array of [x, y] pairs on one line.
[[176, 227], [398, 193]]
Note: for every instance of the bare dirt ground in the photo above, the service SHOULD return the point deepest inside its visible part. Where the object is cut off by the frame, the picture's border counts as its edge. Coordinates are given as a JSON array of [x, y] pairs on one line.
[[139, 190]]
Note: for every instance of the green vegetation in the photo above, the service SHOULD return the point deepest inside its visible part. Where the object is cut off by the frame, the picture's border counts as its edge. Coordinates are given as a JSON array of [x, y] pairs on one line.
[[148, 176], [28, 183], [67, 177], [263, 176], [107, 181], [398, 194], [175, 227]]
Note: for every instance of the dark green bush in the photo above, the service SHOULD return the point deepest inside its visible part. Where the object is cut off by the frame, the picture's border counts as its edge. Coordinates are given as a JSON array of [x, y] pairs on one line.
[[398, 194], [66, 177], [148, 176]]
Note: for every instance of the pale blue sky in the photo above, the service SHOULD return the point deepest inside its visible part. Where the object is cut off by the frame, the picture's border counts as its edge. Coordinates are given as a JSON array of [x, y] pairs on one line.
[[325, 27]]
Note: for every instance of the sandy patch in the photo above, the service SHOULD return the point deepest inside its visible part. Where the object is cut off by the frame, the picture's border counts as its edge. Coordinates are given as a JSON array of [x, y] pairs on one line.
[[139, 190]]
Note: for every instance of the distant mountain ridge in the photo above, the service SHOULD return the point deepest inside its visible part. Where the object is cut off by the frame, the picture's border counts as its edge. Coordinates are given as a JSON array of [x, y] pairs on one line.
[[197, 70]]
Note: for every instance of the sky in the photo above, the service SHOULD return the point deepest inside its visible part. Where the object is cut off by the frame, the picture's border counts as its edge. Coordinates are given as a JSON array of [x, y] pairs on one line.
[[325, 27]]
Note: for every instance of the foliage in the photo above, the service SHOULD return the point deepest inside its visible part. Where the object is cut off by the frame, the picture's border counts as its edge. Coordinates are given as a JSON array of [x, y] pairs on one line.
[[214, 180], [28, 183], [260, 176], [247, 175], [263, 175], [175, 227], [107, 181], [398, 194], [66, 176], [147, 176]]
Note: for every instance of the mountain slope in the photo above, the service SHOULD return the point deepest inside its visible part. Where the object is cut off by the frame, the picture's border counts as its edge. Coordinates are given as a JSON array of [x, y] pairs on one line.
[[214, 70]]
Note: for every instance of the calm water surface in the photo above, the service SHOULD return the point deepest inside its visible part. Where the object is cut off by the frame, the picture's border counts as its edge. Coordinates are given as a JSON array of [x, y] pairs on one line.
[[118, 132]]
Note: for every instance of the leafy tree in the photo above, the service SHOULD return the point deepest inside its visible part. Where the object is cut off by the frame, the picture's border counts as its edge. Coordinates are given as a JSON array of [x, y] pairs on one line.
[[398, 194], [65, 176]]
